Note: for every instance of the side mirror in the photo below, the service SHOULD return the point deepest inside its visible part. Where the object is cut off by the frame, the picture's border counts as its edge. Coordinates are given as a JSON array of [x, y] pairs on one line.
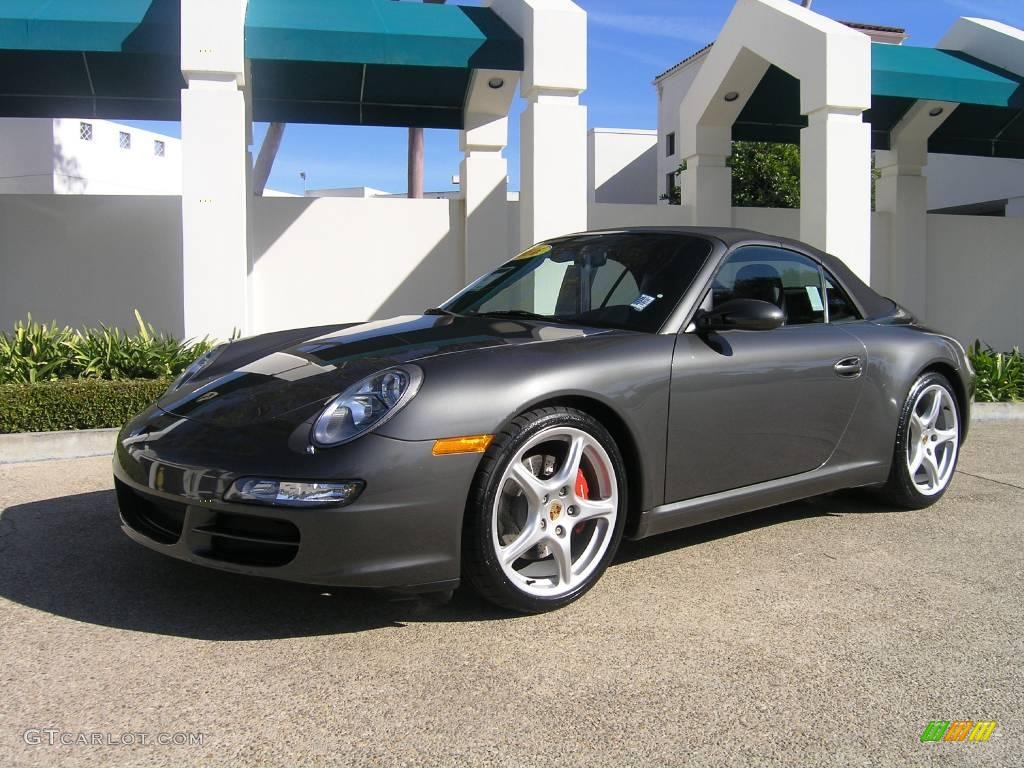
[[741, 315]]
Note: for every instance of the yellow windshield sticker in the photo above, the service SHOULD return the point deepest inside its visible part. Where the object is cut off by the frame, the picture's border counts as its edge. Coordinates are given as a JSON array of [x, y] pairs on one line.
[[537, 250]]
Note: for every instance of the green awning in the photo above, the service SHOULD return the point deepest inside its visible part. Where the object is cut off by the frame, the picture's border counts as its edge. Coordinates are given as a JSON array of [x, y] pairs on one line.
[[71, 58], [371, 62], [381, 32], [988, 122], [929, 73]]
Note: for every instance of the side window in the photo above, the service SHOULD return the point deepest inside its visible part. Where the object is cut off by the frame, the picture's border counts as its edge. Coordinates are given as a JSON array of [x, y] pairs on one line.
[[840, 308], [786, 279]]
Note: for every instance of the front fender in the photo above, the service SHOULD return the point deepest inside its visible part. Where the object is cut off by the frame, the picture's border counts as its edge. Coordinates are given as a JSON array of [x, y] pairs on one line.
[[477, 392]]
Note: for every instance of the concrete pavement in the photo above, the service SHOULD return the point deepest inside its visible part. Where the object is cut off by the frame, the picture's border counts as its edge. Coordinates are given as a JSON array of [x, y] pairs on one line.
[[827, 632]]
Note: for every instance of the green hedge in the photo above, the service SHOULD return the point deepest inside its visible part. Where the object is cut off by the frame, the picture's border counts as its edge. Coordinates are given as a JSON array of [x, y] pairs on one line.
[[1000, 374], [34, 352], [75, 403]]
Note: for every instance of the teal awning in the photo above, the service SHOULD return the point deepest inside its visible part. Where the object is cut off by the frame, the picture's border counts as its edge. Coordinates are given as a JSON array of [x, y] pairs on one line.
[[909, 72], [381, 32], [371, 62], [71, 58], [988, 122], [90, 25]]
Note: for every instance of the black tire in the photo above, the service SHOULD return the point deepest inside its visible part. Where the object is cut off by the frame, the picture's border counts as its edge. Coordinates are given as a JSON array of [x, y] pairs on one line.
[[900, 489], [480, 566]]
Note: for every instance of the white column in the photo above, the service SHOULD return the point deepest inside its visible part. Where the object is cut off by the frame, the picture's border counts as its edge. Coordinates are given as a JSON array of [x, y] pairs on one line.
[[553, 128], [215, 168], [553, 166], [706, 191], [835, 186], [902, 190], [484, 179]]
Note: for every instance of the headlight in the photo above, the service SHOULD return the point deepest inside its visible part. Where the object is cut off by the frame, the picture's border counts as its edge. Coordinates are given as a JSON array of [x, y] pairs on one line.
[[366, 405], [194, 370]]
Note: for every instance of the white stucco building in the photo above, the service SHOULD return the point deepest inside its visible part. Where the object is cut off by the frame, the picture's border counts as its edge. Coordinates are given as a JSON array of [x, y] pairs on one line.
[[959, 184], [88, 156]]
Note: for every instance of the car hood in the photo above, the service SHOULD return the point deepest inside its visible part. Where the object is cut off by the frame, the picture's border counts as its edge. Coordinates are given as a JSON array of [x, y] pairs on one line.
[[265, 377]]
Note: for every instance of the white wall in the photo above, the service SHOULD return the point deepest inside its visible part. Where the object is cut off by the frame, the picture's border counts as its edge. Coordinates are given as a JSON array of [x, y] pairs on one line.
[[26, 156], [975, 274], [781, 222], [86, 260], [609, 216], [83, 260], [621, 163], [332, 259], [962, 180]]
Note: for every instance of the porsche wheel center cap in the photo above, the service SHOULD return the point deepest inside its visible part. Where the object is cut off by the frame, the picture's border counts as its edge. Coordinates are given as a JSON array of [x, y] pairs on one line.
[[555, 511]]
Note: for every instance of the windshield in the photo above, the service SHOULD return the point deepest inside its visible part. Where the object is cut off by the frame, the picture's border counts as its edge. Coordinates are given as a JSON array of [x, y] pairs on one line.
[[627, 280]]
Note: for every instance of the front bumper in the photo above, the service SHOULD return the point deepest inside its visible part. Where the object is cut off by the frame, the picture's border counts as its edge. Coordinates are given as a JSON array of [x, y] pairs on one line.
[[402, 532]]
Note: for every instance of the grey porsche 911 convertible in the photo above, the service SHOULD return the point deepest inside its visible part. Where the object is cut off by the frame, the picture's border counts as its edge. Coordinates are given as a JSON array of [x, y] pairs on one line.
[[599, 385]]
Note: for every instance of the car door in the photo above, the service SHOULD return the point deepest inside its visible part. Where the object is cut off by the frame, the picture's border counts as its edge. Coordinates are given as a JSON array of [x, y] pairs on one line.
[[751, 406]]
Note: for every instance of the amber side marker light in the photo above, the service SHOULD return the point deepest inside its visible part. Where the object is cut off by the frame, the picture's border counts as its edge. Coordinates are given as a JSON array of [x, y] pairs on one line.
[[446, 446]]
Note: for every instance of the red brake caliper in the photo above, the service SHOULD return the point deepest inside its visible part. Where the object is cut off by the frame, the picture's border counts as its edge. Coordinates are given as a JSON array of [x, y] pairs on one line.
[[582, 492]]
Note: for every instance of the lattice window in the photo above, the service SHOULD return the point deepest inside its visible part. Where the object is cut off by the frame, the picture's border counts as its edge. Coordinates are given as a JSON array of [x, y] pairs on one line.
[[125, 140], [158, 148], [85, 131]]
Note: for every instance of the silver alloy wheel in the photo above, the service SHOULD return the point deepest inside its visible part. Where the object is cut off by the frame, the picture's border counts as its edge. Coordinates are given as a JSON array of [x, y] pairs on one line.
[[547, 537], [933, 440]]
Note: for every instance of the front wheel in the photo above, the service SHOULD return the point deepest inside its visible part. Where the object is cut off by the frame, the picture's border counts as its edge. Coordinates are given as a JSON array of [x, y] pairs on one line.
[[927, 444], [546, 512]]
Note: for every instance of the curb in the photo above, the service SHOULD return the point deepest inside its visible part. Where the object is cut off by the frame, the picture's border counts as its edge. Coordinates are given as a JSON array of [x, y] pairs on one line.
[[42, 446], [997, 412]]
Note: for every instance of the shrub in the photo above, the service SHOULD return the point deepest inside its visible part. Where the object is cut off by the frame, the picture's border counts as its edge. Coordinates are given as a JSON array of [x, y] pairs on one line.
[[37, 352], [75, 403], [1000, 374]]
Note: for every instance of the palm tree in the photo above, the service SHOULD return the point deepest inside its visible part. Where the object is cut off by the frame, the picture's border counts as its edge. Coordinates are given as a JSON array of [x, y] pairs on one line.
[[416, 150], [265, 159]]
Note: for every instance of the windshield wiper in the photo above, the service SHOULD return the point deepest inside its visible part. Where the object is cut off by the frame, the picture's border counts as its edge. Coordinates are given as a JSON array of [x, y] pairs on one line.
[[517, 313], [441, 311]]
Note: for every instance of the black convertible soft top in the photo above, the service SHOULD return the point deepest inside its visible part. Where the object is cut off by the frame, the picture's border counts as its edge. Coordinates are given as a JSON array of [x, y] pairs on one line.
[[873, 306]]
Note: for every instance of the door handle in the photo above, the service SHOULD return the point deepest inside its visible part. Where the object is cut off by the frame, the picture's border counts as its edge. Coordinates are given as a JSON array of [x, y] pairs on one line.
[[849, 368]]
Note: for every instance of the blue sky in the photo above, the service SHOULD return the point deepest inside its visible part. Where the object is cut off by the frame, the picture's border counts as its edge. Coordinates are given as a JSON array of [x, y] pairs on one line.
[[630, 43]]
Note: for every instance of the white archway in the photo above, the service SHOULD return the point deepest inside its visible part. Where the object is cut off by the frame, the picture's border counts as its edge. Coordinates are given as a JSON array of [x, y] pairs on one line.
[[833, 64]]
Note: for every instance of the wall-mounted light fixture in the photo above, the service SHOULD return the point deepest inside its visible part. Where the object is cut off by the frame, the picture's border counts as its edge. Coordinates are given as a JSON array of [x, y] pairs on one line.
[[936, 111], [731, 96], [495, 83]]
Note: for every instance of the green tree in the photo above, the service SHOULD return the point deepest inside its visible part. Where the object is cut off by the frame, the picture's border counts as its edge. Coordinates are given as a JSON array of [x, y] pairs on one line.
[[764, 175]]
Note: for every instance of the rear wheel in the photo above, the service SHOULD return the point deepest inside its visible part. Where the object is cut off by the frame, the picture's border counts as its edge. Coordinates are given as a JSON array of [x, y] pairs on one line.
[[547, 511], [927, 444]]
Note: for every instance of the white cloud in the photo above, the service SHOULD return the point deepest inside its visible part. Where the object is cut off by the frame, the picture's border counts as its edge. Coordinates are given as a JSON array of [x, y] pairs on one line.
[[675, 27]]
